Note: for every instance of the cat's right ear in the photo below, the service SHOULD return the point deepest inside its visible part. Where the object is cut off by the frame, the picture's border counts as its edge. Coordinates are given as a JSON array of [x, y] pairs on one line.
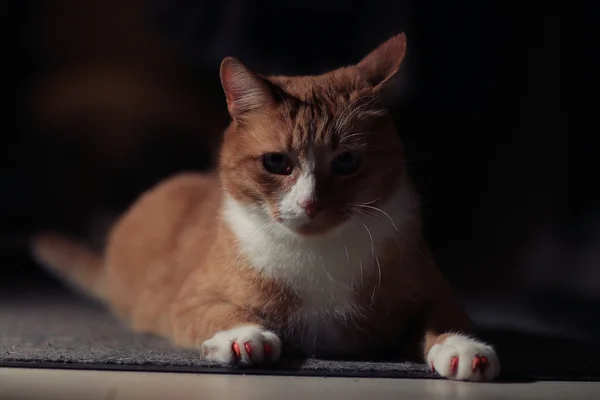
[[245, 91], [381, 68]]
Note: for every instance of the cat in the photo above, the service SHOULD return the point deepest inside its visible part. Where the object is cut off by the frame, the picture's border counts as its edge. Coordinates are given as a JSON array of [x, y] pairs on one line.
[[307, 237]]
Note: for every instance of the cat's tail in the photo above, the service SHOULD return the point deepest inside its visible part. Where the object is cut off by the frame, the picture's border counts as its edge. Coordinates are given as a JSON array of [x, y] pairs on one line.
[[78, 265]]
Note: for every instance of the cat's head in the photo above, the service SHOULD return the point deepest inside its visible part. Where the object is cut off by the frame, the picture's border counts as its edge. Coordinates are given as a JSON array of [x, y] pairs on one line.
[[306, 153]]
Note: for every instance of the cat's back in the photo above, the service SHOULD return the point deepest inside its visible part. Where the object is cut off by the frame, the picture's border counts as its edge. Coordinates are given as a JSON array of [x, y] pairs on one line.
[[142, 250], [166, 209]]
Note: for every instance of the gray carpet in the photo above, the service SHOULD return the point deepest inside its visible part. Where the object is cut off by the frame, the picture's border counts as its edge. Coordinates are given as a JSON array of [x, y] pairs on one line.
[[60, 330], [65, 329]]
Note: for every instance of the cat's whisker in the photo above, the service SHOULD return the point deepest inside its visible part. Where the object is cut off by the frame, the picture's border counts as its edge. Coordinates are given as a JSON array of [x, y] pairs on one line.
[[376, 259], [412, 245], [342, 120], [372, 215], [359, 261], [361, 273], [348, 259], [370, 202], [367, 102], [378, 217], [347, 255], [366, 213], [395, 227], [371, 239], [331, 278], [361, 212], [378, 280], [381, 211], [351, 110], [345, 138]]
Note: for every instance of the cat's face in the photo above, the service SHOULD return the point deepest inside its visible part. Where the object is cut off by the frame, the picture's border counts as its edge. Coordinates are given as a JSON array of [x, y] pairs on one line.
[[308, 153]]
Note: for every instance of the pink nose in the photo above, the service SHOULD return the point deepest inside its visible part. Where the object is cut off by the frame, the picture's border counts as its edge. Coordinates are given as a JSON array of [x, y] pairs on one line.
[[311, 207]]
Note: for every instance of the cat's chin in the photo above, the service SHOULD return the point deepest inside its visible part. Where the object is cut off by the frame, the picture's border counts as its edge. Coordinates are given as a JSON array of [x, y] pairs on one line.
[[312, 229]]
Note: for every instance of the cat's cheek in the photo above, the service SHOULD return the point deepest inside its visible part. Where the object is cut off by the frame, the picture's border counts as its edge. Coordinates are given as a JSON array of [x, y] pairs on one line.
[[277, 215], [289, 182]]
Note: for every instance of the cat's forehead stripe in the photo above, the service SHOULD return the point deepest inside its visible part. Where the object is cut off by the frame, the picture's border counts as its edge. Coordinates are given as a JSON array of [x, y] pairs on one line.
[[314, 124]]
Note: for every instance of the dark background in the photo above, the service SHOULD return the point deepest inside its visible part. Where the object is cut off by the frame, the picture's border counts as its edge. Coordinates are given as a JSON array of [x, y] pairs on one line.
[[498, 120]]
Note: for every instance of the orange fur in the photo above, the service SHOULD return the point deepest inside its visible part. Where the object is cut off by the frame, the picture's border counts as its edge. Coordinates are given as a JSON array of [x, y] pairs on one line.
[[176, 264]]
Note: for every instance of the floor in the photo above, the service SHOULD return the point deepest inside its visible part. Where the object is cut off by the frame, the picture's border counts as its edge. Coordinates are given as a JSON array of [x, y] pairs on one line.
[[47, 384], [48, 327]]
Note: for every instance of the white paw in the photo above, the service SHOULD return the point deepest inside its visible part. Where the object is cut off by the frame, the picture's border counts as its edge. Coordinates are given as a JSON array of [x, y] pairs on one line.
[[465, 359], [246, 345]]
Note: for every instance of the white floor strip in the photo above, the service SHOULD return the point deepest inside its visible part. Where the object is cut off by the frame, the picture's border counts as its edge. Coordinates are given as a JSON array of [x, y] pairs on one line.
[[45, 384]]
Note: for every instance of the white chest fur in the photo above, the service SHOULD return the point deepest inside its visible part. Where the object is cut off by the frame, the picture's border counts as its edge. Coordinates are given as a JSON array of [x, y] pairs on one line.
[[327, 271]]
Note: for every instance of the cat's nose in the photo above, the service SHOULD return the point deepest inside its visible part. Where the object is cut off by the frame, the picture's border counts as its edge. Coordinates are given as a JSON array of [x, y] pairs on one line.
[[311, 207]]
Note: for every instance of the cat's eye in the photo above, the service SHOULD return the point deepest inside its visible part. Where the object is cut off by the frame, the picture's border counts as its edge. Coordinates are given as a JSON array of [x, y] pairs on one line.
[[277, 163], [345, 163]]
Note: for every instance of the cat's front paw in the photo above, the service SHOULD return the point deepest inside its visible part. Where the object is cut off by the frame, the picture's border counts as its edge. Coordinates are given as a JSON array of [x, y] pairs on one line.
[[462, 358], [246, 345]]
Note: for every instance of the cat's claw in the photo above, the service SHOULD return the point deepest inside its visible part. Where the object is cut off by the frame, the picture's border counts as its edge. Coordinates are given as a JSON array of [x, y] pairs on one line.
[[245, 346], [248, 347], [463, 358]]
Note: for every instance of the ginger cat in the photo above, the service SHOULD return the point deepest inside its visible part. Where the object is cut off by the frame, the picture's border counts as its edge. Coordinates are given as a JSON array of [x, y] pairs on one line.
[[308, 236]]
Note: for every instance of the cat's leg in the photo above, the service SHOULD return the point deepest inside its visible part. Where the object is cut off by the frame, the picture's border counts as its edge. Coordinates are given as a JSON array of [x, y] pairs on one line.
[[451, 351], [224, 333]]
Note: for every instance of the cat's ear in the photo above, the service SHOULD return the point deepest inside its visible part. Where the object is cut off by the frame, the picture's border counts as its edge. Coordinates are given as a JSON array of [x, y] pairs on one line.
[[245, 91], [381, 66]]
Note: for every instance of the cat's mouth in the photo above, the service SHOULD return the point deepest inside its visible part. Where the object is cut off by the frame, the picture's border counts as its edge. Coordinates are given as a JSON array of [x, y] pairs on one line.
[[319, 225]]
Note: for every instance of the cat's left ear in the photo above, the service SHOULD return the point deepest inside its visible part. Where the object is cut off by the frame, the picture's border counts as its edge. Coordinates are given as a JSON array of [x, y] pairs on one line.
[[381, 67], [245, 91]]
